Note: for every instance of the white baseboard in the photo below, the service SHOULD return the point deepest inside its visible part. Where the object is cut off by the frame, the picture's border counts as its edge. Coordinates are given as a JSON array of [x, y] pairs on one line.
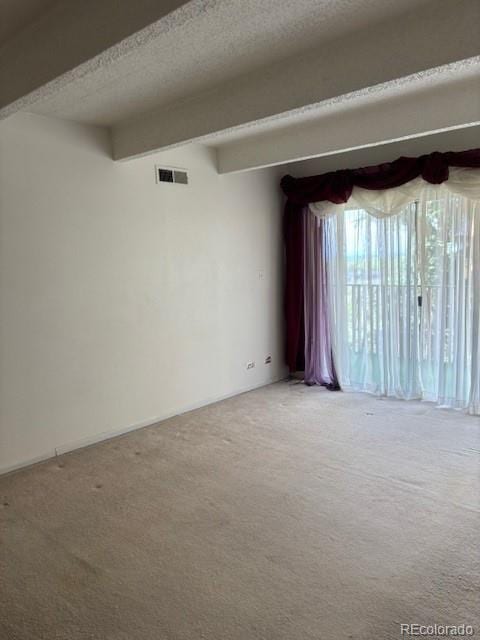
[[108, 435]]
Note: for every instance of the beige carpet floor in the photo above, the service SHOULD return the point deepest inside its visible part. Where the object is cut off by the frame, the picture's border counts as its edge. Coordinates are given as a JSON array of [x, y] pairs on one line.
[[287, 513]]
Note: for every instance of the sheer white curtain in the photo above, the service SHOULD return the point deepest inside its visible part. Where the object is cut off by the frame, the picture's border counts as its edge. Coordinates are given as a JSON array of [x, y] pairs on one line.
[[448, 238], [375, 314], [404, 280]]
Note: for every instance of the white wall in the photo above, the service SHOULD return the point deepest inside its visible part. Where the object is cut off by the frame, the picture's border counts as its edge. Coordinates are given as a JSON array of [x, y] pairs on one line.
[[123, 301]]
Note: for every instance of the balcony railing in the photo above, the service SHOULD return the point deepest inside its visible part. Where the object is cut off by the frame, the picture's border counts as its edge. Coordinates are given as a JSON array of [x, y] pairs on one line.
[[412, 312]]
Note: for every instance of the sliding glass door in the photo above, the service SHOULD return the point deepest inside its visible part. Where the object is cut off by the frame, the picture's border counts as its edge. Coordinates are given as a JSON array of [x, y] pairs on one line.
[[402, 299]]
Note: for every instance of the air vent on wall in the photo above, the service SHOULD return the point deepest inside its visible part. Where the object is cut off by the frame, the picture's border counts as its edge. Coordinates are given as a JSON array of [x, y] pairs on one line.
[[172, 175]]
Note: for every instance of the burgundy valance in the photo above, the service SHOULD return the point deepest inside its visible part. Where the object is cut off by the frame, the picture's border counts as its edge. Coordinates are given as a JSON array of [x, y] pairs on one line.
[[337, 186]]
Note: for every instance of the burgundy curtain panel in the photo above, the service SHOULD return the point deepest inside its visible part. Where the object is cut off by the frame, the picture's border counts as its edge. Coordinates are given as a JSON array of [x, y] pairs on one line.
[[293, 226], [337, 187]]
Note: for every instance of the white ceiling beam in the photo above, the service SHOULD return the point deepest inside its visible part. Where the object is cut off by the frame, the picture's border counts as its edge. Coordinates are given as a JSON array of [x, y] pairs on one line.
[[437, 34], [452, 140], [444, 107]]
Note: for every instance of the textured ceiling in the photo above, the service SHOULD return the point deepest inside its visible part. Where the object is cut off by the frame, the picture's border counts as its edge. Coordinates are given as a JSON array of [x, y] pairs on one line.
[[17, 14], [201, 45]]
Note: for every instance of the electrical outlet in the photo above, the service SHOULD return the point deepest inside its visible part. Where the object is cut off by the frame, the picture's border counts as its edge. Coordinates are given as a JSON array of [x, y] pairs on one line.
[[268, 359], [250, 365]]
